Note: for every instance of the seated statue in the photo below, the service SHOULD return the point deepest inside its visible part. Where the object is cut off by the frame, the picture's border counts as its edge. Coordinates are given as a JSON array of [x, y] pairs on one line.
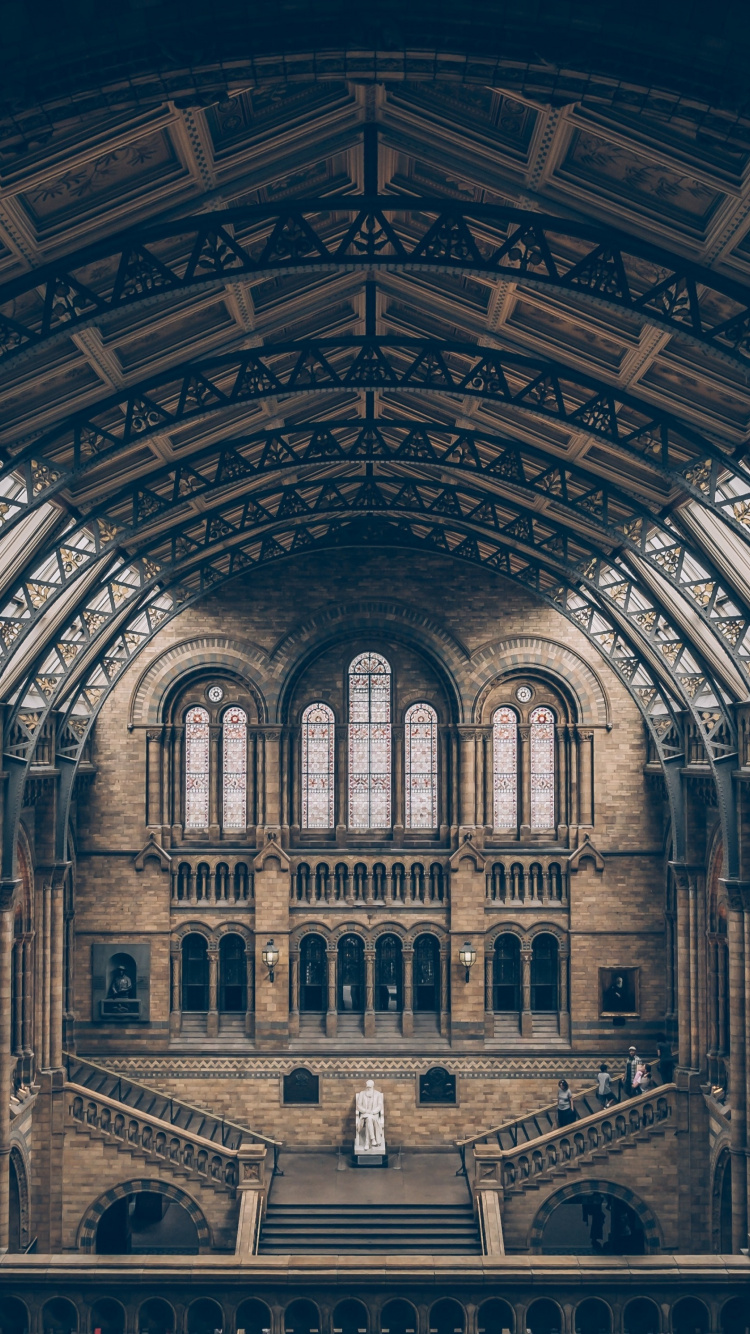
[[370, 1125]]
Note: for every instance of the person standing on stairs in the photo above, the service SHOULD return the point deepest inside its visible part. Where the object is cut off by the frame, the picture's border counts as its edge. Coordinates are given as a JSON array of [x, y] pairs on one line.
[[566, 1112], [605, 1094], [631, 1070]]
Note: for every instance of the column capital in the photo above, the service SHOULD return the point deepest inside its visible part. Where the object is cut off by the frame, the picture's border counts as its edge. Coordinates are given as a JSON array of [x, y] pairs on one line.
[[466, 730], [155, 733], [738, 894], [584, 733], [8, 893]]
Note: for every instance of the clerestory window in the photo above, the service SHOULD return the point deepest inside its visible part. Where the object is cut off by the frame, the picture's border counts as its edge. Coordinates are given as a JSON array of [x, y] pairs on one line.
[[318, 734], [369, 742]]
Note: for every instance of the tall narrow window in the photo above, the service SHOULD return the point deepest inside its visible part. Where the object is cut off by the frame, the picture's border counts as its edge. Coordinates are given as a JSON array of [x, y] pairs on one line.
[[196, 769], [505, 768], [369, 742], [420, 759], [234, 788], [317, 767], [542, 768]]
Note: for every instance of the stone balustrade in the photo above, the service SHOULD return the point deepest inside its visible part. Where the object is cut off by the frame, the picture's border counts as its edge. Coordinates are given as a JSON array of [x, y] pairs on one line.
[[387, 880], [528, 1165], [531, 880], [179, 1152]]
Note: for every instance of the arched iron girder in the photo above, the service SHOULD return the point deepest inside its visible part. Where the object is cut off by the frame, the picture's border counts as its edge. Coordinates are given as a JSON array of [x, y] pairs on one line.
[[613, 523], [154, 264], [638, 620], [418, 366]]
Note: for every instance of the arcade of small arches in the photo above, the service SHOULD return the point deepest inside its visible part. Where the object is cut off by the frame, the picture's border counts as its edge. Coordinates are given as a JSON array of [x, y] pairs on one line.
[[533, 1314]]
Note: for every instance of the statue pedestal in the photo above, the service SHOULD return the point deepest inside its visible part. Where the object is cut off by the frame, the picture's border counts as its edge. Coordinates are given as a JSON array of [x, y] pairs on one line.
[[371, 1159]]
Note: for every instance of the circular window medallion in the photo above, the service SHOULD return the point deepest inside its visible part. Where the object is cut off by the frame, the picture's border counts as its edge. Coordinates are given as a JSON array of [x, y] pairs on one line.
[[523, 694], [215, 694]]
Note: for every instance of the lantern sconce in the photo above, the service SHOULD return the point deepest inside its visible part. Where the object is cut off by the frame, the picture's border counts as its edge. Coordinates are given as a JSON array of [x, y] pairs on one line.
[[270, 956], [467, 956]]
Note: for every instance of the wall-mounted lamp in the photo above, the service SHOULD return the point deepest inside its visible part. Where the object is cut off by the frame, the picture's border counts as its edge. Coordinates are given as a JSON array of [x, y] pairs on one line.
[[270, 956], [467, 956]]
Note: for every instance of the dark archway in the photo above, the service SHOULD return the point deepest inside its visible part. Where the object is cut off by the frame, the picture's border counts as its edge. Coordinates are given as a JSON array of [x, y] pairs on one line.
[[641, 1317], [14, 1317], [313, 987], [506, 974], [544, 974], [735, 1316], [388, 974], [398, 1317], [59, 1316], [156, 1317], [447, 1317], [232, 974], [426, 975], [106, 1316], [146, 1223], [592, 1316], [205, 1316], [594, 1223], [195, 973], [253, 1317], [495, 1317], [302, 1317], [544, 1317], [350, 1317], [351, 974], [690, 1316]]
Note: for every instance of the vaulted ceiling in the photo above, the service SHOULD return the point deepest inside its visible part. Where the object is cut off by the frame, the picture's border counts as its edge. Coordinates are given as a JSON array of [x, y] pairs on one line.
[[420, 313]]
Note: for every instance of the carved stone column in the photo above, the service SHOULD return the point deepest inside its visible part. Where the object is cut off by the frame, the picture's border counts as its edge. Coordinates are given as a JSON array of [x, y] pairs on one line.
[[7, 1063], [524, 736], [445, 960], [250, 988], [341, 813], [178, 785], [214, 782], [28, 1006], [467, 797], [407, 1017], [480, 816], [585, 776], [564, 958], [153, 778], [683, 968], [18, 981], [695, 1055], [444, 810], [252, 777], [56, 981], [294, 994], [332, 1012], [527, 1022], [722, 999], [713, 1006], [737, 1063], [175, 1017], [573, 813], [212, 1018], [260, 786], [369, 992], [489, 996]]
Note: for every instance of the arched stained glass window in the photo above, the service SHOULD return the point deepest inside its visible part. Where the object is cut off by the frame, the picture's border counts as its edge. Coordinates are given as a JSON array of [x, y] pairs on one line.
[[196, 769], [505, 768], [234, 740], [542, 760], [369, 742], [317, 767], [420, 759]]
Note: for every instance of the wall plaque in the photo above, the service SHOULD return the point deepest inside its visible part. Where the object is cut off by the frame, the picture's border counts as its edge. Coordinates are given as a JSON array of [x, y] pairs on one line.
[[120, 983]]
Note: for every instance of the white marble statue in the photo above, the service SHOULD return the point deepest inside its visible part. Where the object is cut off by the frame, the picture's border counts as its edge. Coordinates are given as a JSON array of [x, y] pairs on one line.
[[370, 1136]]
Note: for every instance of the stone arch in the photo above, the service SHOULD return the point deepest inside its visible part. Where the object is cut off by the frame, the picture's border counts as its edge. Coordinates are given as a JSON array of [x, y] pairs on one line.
[[387, 929], [310, 929], [504, 929], [20, 1165], [427, 929], [193, 929], [654, 1238], [389, 620], [201, 653], [86, 1239], [233, 929], [562, 666], [348, 929], [547, 929]]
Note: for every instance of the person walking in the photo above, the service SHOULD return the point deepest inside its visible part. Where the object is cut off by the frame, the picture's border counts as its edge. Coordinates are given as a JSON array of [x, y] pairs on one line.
[[604, 1091], [566, 1112], [647, 1081], [631, 1070]]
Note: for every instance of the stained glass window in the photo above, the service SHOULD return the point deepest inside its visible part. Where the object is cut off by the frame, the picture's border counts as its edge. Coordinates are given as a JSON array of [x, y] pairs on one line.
[[420, 758], [234, 740], [542, 768], [505, 768], [369, 742], [317, 767], [196, 769]]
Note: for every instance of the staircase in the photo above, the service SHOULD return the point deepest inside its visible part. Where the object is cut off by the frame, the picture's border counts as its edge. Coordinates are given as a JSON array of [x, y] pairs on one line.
[[383, 1229]]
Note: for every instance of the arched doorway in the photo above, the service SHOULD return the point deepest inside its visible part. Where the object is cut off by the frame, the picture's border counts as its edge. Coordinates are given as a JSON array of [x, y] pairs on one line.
[[14, 1317], [593, 1223], [195, 973], [253, 1317], [426, 975], [506, 974], [398, 1317], [146, 1223], [388, 975], [312, 975], [156, 1317], [232, 974], [106, 1317], [544, 974], [351, 974]]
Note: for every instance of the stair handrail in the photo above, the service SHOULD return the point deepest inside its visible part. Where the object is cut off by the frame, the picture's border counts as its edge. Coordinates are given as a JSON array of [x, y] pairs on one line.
[[275, 1144], [511, 1127], [500, 1156]]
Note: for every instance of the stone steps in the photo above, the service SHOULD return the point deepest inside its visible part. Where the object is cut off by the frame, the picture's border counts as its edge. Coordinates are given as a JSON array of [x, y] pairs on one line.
[[385, 1229]]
